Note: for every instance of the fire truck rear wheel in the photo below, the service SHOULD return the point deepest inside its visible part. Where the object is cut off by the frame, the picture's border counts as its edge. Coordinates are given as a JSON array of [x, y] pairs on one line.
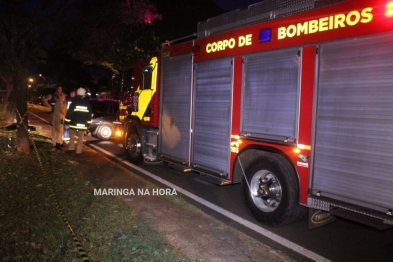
[[273, 194], [133, 146]]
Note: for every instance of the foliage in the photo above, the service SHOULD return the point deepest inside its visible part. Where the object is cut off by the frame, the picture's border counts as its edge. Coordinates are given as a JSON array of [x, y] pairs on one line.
[[63, 69], [23, 27], [69, 39], [28, 26], [134, 12], [180, 17], [109, 36], [101, 29]]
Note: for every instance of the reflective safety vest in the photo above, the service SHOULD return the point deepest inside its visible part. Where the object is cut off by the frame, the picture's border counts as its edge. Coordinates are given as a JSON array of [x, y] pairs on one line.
[[79, 114], [69, 101]]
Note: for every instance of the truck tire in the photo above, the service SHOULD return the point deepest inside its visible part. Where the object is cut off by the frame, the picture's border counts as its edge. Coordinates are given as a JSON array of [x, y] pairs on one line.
[[133, 145], [273, 199], [105, 132]]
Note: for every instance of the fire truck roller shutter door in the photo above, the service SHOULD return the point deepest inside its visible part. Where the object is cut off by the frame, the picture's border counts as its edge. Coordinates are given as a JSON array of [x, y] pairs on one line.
[[270, 94], [354, 119], [273, 194], [175, 109]]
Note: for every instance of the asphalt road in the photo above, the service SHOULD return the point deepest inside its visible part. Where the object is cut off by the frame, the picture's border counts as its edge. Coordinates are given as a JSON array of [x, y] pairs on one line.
[[340, 241]]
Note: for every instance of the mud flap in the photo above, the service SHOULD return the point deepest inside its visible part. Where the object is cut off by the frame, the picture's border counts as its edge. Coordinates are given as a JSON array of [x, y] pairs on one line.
[[318, 218]]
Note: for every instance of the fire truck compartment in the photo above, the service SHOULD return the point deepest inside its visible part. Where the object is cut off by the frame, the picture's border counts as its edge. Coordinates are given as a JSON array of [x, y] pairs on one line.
[[269, 106], [212, 116], [353, 143], [175, 136]]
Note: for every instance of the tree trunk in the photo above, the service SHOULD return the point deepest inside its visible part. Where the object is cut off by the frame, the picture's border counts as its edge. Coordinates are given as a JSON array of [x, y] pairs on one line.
[[19, 97], [8, 106]]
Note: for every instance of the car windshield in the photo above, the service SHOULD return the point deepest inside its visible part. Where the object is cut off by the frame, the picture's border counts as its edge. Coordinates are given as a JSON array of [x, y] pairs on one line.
[[104, 106]]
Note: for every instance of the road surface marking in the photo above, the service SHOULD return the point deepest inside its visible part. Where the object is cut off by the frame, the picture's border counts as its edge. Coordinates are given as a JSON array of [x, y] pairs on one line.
[[43, 120]]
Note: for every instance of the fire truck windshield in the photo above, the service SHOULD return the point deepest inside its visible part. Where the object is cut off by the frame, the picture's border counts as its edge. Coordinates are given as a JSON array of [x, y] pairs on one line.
[[146, 77]]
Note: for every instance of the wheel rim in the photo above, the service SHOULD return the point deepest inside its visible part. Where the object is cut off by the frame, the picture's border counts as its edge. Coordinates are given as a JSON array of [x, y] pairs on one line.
[[266, 191], [105, 132], [133, 145]]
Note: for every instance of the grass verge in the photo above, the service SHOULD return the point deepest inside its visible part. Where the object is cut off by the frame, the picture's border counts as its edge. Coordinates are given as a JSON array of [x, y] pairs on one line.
[[32, 229]]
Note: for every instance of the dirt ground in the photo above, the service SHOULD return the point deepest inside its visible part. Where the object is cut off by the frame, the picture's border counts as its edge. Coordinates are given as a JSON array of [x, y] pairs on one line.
[[198, 235], [194, 233]]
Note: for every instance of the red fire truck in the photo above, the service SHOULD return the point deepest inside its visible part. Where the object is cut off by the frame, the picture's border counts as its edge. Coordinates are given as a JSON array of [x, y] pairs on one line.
[[293, 99]]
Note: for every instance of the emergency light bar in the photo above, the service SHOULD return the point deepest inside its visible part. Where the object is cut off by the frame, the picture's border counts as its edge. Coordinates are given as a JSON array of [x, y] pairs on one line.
[[265, 35]]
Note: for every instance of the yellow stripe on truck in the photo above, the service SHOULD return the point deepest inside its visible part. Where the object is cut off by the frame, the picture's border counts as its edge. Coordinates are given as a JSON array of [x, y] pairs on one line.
[[145, 96]]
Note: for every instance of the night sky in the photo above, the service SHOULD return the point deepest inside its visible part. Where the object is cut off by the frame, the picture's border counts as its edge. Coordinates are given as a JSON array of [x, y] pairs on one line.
[[230, 5]]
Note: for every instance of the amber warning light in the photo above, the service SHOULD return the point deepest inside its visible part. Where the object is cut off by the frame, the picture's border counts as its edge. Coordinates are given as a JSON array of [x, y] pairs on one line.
[[389, 9]]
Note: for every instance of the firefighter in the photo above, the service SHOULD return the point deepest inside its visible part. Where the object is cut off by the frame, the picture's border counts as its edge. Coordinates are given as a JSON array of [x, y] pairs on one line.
[[69, 99], [79, 119]]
